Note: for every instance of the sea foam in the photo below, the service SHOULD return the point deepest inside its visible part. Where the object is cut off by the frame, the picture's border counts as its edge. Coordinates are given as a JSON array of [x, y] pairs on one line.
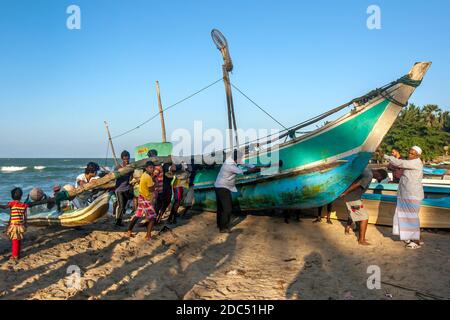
[[12, 169], [39, 167]]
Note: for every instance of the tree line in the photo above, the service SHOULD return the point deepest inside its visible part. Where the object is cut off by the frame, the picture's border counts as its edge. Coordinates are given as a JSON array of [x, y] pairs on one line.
[[427, 126]]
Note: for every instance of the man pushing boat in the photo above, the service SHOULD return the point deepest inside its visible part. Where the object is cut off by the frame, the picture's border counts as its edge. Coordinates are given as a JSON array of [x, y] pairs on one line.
[[226, 184], [406, 222], [146, 201], [352, 197]]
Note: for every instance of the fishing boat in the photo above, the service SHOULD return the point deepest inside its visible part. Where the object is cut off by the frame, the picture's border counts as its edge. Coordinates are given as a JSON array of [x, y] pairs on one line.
[[427, 171], [306, 170], [73, 218], [380, 202], [318, 166], [312, 169]]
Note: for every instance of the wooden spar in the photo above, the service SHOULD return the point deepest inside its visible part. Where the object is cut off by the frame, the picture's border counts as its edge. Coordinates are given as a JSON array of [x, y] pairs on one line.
[[111, 144], [117, 174], [101, 182], [161, 113]]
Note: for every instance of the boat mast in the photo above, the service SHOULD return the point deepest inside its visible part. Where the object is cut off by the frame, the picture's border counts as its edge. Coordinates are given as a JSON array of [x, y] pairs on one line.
[[111, 144], [222, 44], [161, 113]]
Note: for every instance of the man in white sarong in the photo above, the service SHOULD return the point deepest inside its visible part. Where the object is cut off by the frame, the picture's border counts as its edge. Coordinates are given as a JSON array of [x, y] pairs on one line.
[[409, 196]]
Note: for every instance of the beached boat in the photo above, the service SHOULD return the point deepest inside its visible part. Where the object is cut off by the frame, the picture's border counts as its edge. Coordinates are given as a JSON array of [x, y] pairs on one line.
[[75, 218], [380, 202], [316, 167], [434, 171], [307, 170]]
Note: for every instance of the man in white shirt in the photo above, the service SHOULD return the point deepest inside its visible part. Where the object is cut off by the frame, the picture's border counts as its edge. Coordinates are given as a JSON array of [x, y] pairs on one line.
[[90, 174], [410, 194], [226, 184]]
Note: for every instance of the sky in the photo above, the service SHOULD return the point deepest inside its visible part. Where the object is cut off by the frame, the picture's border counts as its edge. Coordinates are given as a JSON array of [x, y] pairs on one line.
[[295, 58]]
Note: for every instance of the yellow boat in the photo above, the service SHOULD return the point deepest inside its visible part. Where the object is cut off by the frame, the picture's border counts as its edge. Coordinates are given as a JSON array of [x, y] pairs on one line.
[[75, 218]]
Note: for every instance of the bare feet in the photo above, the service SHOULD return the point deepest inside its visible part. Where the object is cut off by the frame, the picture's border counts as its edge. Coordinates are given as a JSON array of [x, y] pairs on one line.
[[364, 243], [129, 234], [317, 220], [347, 230]]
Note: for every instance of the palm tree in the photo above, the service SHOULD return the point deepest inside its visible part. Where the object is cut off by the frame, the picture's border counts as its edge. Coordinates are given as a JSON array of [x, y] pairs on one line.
[[431, 115], [445, 121]]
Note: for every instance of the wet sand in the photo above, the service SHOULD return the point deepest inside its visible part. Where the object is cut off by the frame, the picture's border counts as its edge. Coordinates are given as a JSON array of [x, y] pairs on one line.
[[263, 258]]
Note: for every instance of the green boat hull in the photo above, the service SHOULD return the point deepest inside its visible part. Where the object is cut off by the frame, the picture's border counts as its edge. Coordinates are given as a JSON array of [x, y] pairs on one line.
[[316, 167]]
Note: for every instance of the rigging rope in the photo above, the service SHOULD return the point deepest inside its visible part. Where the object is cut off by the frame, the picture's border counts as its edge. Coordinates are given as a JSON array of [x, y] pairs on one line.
[[409, 82], [259, 107], [165, 109], [292, 130], [360, 100]]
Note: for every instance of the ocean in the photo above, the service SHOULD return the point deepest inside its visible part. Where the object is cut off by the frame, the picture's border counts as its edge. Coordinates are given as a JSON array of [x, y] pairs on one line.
[[43, 173]]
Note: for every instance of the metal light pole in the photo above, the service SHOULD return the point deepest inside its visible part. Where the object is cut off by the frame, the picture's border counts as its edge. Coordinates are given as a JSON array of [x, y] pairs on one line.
[[222, 44]]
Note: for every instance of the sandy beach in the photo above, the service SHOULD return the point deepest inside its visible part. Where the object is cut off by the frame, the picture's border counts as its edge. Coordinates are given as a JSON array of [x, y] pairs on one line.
[[263, 258]]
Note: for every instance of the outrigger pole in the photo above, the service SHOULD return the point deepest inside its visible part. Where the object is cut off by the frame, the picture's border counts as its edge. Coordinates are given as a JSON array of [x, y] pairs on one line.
[[111, 144], [222, 44], [161, 114]]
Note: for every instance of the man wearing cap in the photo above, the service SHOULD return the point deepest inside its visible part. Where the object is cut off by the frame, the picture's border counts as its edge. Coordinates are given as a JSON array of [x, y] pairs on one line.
[[409, 196]]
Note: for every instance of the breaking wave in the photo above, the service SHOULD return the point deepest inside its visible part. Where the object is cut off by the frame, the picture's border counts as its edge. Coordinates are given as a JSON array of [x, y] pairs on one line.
[[12, 169]]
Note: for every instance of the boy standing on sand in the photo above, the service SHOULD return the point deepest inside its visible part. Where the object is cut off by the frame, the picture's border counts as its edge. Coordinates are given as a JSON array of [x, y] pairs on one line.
[[146, 201], [17, 221]]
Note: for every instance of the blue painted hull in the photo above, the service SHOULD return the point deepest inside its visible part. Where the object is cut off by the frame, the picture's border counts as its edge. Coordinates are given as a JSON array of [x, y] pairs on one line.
[[294, 192]]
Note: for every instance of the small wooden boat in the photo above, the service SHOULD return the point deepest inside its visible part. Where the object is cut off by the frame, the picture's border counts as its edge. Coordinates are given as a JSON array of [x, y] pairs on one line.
[[380, 201], [75, 218]]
